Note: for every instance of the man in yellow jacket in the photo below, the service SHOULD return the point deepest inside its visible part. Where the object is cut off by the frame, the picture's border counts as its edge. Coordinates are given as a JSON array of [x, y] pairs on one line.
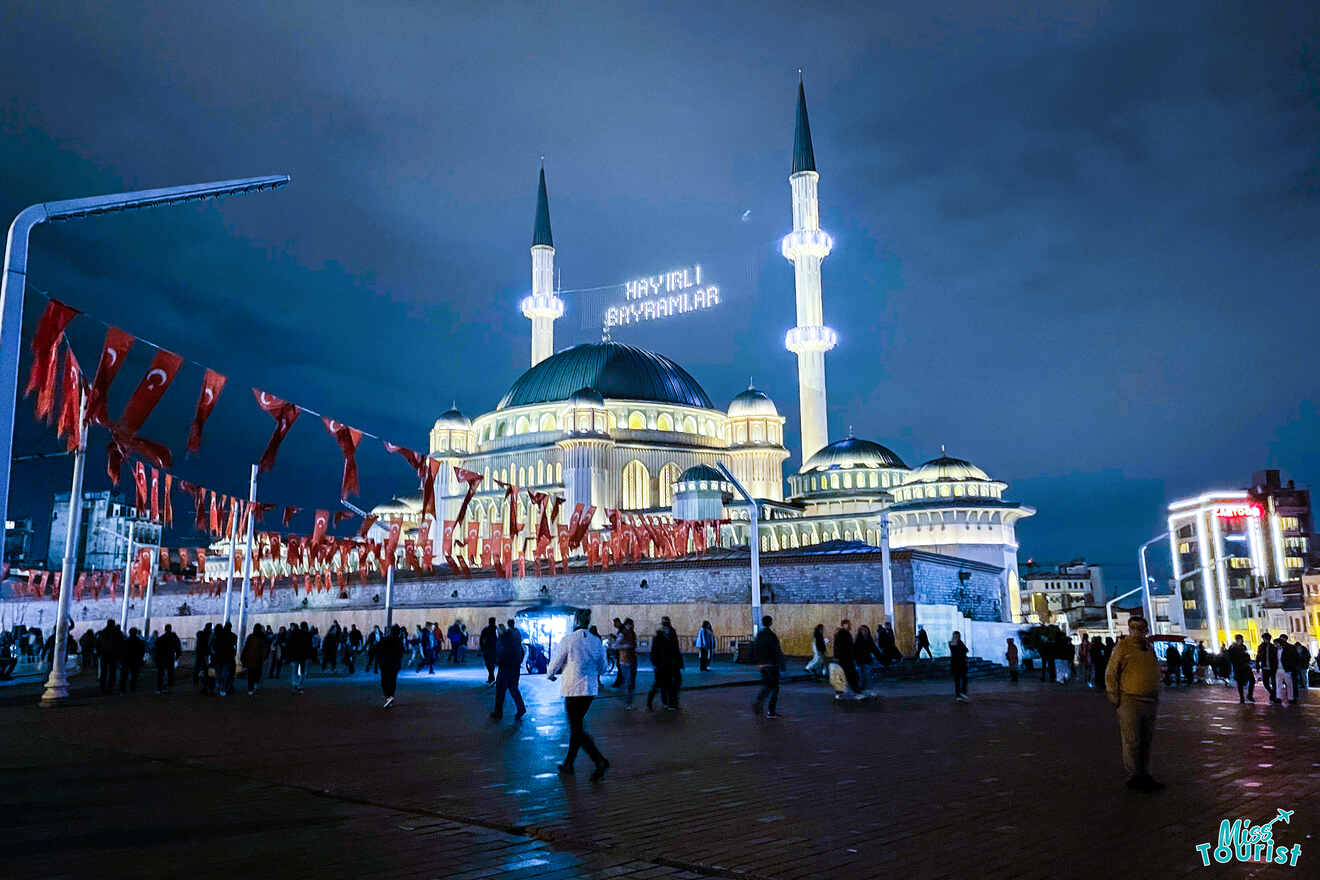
[[1132, 682]]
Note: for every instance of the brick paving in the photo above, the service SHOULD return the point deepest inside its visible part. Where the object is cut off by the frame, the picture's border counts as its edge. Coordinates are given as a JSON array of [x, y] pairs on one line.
[[1024, 781]]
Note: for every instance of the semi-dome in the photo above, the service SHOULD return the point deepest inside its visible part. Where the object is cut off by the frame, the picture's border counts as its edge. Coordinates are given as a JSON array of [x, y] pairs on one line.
[[621, 372], [852, 453], [946, 469], [587, 397], [453, 419], [752, 402]]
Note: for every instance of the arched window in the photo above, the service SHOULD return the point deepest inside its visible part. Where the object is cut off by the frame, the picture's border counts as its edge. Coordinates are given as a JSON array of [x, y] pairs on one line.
[[665, 422], [636, 485], [522, 476], [611, 421], [522, 426], [559, 472], [540, 472], [740, 433], [874, 481], [504, 475], [668, 477], [501, 428], [708, 428], [547, 422], [636, 421], [834, 481], [847, 481], [689, 425]]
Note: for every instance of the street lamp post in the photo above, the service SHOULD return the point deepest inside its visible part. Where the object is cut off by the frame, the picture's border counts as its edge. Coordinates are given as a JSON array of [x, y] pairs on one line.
[[753, 542], [1145, 578], [14, 282], [247, 558], [57, 686], [128, 576]]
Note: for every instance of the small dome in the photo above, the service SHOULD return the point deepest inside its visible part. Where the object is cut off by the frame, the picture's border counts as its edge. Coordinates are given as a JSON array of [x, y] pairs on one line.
[[752, 402], [587, 397], [701, 472], [453, 420], [946, 469], [852, 453]]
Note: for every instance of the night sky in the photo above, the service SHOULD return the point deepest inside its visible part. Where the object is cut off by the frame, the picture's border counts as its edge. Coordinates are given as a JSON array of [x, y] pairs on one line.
[[1075, 243]]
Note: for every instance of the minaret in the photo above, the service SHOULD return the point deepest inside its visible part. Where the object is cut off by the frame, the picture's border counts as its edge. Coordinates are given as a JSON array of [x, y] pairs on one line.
[[543, 306], [805, 247]]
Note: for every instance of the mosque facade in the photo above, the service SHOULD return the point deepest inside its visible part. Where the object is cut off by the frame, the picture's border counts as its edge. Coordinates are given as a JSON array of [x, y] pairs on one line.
[[616, 427]]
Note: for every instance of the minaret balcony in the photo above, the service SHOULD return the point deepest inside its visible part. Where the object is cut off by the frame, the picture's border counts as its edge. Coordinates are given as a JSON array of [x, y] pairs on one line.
[[801, 340], [806, 243], [543, 305]]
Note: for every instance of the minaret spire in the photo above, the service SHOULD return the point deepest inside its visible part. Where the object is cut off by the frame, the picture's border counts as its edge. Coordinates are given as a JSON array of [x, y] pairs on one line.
[[543, 306], [806, 246]]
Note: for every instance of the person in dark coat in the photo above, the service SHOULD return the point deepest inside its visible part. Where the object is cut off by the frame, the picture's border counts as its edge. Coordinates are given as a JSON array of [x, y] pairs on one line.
[[202, 655], [109, 644], [134, 649], [923, 644], [225, 650], [508, 659], [389, 659], [301, 652], [958, 666], [166, 653], [489, 644], [1267, 664], [769, 657], [1240, 658], [667, 661], [87, 645], [843, 653], [330, 648], [1189, 662], [864, 653], [255, 650], [1172, 665]]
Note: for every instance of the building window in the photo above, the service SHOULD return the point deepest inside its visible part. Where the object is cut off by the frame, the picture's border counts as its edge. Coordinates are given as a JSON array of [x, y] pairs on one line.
[[758, 432], [689, 425], [636, 485], [847, 481], [665, 422], [547, 422], [668, 477], [559, 472], [740, 433], [834, 481], [636, 421], [522, 476], [611, 421]]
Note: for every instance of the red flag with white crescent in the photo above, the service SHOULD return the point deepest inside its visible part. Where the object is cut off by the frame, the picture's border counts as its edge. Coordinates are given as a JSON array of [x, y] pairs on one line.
[[284, 414], [473, 481], [215, 514], [72, 391], [322, 523], [584, 523], [140, 483], [391, 545], [289, 514], [113, 352], [212, 384], [167, 501], [45, 354], [473, 539], [348, 439], [563, 544], [447, 538], [341, 515], [155, 495], [164, 367], [367, 522], [432, 467], [593, 548], [574, 521], [415, 459]]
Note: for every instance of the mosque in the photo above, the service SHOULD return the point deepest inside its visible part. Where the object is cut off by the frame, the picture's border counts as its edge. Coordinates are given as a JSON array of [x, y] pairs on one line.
[[618, 427]]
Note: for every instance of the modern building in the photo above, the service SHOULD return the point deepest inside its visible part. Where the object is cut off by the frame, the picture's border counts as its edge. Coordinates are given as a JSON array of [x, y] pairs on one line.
[[613, 426], [1287, 521], [104, 534]]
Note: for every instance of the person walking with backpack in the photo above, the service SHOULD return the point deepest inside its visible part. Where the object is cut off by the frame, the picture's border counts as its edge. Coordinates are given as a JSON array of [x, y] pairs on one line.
[[769, 658]]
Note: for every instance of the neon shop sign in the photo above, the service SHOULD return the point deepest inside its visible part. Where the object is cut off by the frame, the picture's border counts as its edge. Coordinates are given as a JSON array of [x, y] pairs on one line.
[[1233, 511], [652, 297]]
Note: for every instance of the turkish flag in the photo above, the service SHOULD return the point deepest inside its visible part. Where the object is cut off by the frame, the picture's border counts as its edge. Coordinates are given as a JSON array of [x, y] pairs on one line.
[[72, 391], [113, 352], [167, 503], [322, 523], [575, 537], [593, 549], [410, 555], [45, 353], [155, 495], [215, 514], [284, 414], [392, 542], [433, 466], [473, 481], [348, 438], [212, 384], [140, 480], [574, 522], [473, 538], [164, 367], [415, 459], [447, 538], [699, 536], [341, 515], [495, 543], [289, 514], [123, 444], [511, 497], [367, 522], [563, 545]]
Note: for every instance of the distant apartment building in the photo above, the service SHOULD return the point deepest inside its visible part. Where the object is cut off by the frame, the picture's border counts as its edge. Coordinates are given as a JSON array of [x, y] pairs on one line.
[[104, 534], [18, 541], [1061, 591]]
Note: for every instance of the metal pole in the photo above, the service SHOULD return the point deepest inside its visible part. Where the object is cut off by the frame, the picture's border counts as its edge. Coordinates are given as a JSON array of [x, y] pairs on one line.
[[229, 578], [128, 577], [14, 280], [1145, 579], [753, 541], [151, 583], [887, 564], [389, 596], [57, 686], [1109, 608], [247, 559]]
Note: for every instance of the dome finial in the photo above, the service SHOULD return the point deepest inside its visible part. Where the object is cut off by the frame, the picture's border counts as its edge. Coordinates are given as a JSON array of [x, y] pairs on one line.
[[942, 452], [751, 386], [850, 432]]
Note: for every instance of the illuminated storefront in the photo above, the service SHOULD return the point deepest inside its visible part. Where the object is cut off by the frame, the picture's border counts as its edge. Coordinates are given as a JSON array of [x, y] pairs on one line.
[[1220, 563]]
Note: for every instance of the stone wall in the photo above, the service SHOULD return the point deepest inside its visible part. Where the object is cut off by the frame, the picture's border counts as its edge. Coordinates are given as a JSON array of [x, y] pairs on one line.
[[799, 591]]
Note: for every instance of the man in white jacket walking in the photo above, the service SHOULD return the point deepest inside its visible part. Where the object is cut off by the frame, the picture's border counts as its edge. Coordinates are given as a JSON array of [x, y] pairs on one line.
[[580, 656]]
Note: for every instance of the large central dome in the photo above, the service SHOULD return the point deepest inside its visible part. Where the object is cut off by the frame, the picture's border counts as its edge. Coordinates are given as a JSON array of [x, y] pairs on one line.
[[617, 371]]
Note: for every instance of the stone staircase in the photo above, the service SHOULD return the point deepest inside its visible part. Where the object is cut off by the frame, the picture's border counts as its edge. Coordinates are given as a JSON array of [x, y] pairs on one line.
[[908, 669]]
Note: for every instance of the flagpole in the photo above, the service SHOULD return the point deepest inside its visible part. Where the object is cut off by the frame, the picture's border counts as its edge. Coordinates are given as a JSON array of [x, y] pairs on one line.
[[389, 596], [229, 578], [57, 686], [247, 558], [151, 583], [887, 575], [128, 576]]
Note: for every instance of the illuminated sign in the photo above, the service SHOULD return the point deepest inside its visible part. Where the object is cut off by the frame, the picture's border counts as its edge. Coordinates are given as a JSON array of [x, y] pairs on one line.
[[1232, 511], [662, 296]]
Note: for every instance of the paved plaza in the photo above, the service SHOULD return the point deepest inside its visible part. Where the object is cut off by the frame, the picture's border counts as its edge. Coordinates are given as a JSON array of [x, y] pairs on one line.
[[1025, 780]]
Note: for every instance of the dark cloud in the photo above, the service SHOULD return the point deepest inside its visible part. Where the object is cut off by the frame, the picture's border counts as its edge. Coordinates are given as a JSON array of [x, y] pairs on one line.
[[1073, 241]]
